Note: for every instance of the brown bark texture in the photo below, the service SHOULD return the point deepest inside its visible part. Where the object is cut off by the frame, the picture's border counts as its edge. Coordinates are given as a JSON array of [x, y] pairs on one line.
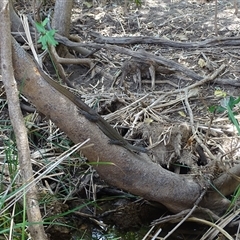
[[61, 18]]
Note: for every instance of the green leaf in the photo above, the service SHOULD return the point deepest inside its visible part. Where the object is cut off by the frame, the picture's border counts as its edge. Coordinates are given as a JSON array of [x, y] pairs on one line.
[[40, 28], [138, 3], [220, 109], [233, 119], [212, 109], [43, 41], [231, 103], [50, 37], [51, 32], [47, 37], [236, 101], [45, 21], [216, 109]]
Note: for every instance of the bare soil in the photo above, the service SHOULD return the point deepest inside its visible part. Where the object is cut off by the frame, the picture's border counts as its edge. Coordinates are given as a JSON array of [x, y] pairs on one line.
[[179, 21]]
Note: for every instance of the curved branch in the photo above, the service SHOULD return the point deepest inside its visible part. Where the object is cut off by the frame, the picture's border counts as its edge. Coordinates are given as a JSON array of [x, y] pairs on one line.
[[131, 172]]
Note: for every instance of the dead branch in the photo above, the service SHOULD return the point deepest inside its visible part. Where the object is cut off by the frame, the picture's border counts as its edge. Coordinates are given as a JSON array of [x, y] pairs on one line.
[[214, 42], [145, 56]]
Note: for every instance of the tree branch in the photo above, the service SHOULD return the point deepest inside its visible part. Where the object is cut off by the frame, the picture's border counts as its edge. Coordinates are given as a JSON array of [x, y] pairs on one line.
[[132, 172], [33, 211]]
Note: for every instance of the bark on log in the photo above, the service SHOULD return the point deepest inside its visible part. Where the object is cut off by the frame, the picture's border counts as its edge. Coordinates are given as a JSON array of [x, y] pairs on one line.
[[132, 172]]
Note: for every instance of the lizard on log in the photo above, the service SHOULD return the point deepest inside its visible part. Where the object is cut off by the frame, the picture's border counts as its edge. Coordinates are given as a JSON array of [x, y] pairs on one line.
[[91, 115]]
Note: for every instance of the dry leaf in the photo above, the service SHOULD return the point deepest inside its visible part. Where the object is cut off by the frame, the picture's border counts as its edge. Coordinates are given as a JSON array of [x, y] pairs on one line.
[[219, 93], [148, 120], [201, 63]]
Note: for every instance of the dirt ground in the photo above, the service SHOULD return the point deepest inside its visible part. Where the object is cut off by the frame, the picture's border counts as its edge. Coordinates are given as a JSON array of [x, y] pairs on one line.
[[178, 21]]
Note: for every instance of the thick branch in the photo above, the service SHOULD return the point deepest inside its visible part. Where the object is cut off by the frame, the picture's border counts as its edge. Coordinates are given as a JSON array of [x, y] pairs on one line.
[[131, 172], [62, 19], [33, 212]]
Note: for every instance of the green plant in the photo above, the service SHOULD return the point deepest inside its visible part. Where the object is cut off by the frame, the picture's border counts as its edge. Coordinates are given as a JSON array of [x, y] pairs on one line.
[[138, 3], [235, 197], [228, 103], [47, 36], [12, 213]]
